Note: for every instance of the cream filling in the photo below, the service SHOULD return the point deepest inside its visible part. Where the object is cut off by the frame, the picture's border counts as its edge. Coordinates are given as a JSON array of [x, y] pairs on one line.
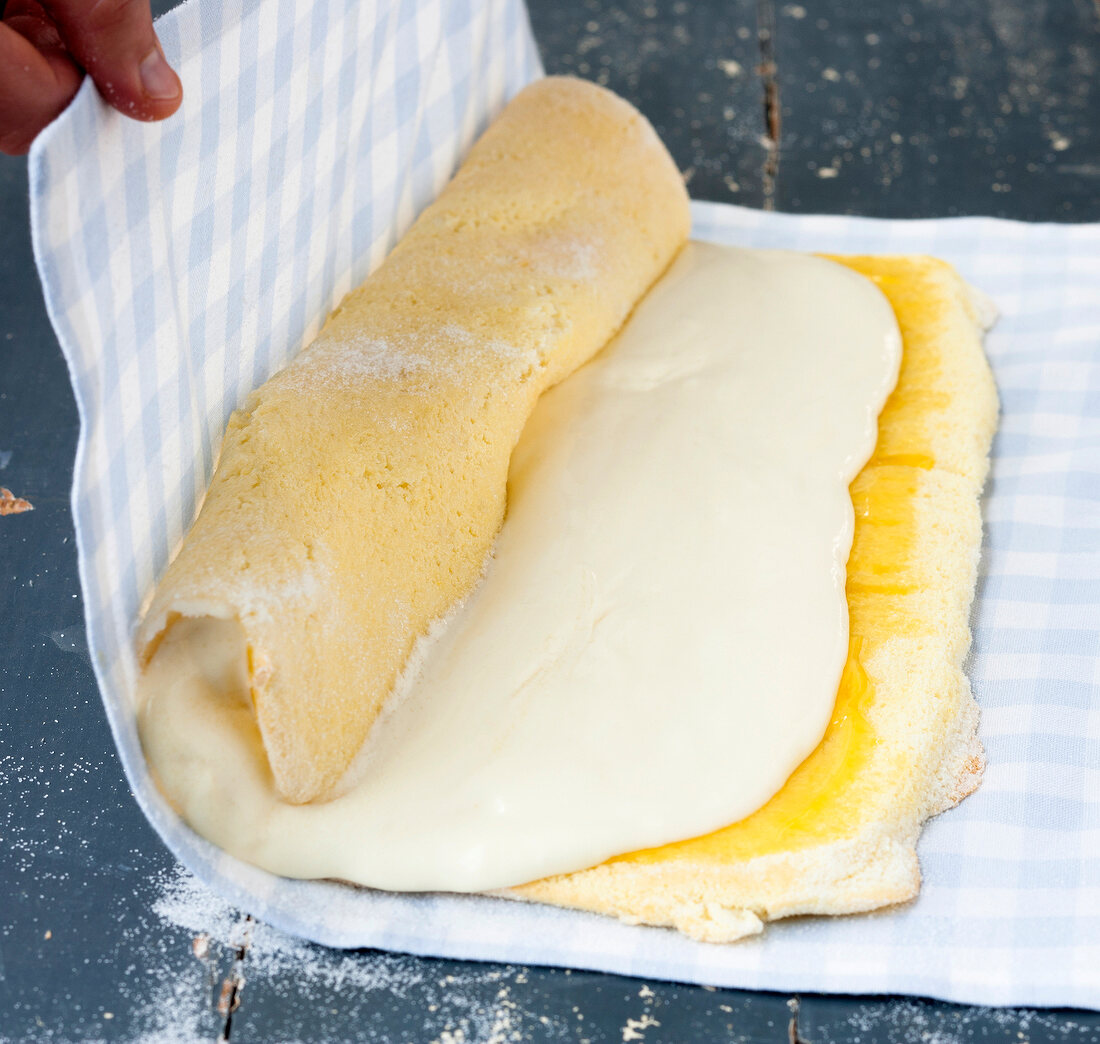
[[660, 634]]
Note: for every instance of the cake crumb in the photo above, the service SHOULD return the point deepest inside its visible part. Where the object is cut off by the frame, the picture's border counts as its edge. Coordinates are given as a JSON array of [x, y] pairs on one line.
[[635, 1028], [10, 504]]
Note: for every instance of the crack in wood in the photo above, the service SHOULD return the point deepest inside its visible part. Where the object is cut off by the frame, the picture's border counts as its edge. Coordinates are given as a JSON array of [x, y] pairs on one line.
[[230, 998], [793, 1034], [767, 69]]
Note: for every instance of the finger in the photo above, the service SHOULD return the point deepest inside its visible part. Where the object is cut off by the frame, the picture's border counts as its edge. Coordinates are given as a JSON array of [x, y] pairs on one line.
[[29, 20], [115, 42], [21, 7], [35, 86]]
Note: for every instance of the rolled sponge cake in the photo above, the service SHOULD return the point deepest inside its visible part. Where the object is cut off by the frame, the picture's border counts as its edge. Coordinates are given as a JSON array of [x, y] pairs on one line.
[[358, 492]]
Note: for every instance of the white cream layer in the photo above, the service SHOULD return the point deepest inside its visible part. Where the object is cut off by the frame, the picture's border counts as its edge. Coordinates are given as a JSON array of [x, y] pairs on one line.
[[660, 634]]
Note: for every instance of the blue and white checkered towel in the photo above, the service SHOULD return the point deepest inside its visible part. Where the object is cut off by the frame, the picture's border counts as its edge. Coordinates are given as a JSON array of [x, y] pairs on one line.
[[184, 262]]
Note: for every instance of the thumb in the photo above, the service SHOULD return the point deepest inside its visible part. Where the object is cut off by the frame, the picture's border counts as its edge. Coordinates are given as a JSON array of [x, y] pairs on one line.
[[114, 41]]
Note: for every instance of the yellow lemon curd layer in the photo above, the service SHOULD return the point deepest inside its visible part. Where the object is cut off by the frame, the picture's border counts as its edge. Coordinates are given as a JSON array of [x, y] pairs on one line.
[[817, 804]]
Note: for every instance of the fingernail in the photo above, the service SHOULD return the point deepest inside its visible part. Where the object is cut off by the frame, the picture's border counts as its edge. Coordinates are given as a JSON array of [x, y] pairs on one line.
[[157, 77]]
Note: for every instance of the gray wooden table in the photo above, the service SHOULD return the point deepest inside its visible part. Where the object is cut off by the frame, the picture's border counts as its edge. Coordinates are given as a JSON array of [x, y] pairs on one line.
[[906, 108]]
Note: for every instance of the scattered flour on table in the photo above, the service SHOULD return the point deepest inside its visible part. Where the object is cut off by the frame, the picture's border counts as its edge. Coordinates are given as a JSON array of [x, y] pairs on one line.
[[923, 1023], [471, 1005]]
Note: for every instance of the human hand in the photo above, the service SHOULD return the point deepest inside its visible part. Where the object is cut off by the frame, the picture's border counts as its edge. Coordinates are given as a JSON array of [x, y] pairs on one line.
[[46, 47]]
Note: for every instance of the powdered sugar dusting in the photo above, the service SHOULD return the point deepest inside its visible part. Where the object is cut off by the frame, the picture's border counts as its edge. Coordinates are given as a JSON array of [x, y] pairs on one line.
[[358, 360], [472, 1005], [565, 257], [449, 352], [926, 1023], [185, 903]]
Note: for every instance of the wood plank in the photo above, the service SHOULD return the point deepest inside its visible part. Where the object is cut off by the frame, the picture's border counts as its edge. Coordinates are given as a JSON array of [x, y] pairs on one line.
[[385, 997], [999, 92], [840, 1020], [924, 108]]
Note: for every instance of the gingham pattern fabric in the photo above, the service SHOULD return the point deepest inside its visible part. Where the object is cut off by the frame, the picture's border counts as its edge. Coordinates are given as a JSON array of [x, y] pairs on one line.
[[182, 263]]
